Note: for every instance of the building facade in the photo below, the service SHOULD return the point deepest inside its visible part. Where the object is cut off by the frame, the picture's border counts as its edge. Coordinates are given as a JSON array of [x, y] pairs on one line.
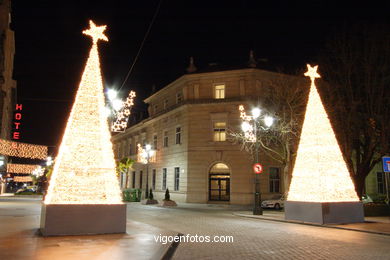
[[188, 126], [7, 84]]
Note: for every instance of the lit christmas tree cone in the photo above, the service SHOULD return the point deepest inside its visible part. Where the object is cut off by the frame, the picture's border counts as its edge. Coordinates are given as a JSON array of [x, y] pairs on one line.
[[321, 189], [84, 195]]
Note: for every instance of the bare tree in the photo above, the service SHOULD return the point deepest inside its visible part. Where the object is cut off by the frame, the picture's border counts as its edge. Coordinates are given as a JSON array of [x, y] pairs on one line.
[[285, 100], [356, 66]]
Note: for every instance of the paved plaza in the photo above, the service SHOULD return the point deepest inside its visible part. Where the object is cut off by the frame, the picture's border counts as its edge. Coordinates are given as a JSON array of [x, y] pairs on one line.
[[253, 238]]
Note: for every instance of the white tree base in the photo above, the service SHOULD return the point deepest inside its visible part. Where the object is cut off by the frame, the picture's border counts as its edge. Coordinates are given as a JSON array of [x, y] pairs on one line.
[[82, 219], [324, 212]]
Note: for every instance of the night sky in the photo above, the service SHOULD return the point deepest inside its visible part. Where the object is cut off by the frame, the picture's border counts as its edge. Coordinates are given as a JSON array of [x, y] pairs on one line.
[[51, 50]]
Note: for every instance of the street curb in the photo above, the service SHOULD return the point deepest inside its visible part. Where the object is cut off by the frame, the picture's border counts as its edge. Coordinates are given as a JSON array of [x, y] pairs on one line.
[[167, 252], [311, 224]]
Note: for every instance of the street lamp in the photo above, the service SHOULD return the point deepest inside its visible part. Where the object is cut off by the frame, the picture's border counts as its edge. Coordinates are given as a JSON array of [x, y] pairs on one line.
[[252, 134], [147, 154]]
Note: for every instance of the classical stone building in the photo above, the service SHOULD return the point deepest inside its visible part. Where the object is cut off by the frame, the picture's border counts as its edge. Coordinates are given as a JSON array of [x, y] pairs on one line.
[[187, 126]]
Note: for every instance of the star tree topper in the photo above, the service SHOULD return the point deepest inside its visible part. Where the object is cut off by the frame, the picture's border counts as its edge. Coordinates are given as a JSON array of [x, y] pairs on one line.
[[96, 32], [312, 73]]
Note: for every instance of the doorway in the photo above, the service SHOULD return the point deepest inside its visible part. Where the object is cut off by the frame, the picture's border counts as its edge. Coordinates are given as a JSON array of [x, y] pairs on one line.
[[219, 183]]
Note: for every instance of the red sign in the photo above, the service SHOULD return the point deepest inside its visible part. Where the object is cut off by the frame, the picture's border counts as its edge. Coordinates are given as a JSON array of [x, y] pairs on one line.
[[17, 118], [257, 168]]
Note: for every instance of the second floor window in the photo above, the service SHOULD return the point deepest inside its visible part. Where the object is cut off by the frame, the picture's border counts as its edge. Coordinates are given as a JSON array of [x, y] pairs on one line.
[[178, 135], [165, 139], [219, 131], [219, 91], [154, 142]]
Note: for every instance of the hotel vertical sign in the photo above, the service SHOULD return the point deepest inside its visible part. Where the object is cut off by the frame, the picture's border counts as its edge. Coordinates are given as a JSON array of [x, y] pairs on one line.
[[17, 121]]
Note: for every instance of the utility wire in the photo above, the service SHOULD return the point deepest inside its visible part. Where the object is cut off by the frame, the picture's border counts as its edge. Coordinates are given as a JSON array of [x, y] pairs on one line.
[[142, 44]]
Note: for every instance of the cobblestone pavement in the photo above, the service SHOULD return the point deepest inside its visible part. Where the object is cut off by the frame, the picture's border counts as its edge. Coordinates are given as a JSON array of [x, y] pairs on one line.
[[257, 239]]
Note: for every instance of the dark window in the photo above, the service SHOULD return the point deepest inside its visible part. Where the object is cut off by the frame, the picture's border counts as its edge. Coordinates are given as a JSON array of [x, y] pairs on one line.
[[140, 179], [380, 178], [179, 98], [164, 179], [165, 138], [130, 148], [274, 179], [154, 179], [177, 178], [154, 142], [178, 135], [133, 180]]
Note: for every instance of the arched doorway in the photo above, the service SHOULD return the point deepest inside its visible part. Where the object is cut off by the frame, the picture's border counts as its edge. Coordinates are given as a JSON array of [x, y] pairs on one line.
[[219, 182]]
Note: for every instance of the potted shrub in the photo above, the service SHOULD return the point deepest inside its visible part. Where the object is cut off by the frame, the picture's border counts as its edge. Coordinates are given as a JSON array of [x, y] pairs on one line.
[[150, 200], [167, 202]]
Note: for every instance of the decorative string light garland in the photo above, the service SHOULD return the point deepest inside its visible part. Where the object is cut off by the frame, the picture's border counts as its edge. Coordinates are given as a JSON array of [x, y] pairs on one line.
[[21, 168], [248, 131], [122, 116], [23, 150]]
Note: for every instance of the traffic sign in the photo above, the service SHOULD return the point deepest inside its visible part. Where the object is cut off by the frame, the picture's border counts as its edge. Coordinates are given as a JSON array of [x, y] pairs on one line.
[[386, 164], [257, 168]]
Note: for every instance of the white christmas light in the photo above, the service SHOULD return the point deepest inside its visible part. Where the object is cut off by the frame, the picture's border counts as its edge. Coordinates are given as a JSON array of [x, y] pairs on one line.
[[320, 173], [122, 115], [84, 170], [256, 112], [21, 168], [268, 120], [117, 104], [17, 149], [246, 125], [112, 94]]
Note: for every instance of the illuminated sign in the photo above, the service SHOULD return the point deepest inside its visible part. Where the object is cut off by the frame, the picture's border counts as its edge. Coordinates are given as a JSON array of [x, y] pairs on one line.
[[17, 118]]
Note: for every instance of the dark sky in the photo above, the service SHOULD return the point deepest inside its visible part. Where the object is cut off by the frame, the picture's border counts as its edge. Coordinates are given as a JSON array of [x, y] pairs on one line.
[[51, 50]]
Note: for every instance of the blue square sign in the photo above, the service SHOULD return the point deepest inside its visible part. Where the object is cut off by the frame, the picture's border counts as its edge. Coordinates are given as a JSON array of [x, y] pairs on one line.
[[386, 164]]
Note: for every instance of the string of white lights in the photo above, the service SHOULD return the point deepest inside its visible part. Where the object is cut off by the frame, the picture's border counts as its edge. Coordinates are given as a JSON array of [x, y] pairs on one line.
[[320, 173]]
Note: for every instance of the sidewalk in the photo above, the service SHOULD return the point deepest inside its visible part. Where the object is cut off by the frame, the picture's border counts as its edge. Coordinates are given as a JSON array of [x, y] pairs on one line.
[[19, 239], [375, 225]]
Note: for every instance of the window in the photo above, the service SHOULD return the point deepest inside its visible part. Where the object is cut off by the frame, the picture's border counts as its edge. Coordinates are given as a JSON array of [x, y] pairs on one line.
[[154, 179], [178, 135], [380, 179], [219, 91], [164, 179], [133, 180], [165, 138], [177, 178], [131, 148], [219, 131], [140, 179], [165, 103], [155, 109], [274, 179], [154, 142], [179, 98]]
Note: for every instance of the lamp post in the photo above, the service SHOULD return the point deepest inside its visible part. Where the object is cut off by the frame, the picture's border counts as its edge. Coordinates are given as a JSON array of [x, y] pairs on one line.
[[148, 153], [246, 127]]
